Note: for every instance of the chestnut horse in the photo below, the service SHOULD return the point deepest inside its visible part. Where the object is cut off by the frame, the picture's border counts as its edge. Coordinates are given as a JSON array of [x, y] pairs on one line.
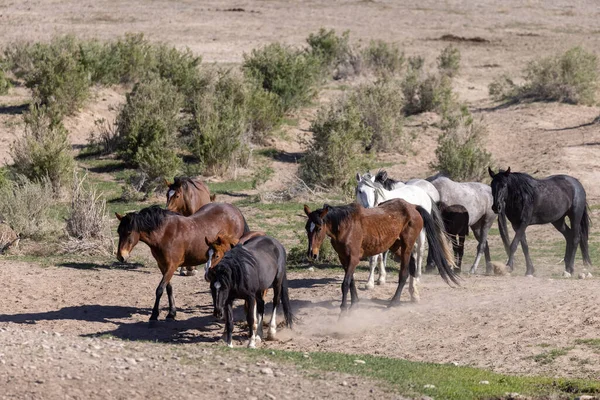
[[187, 195], [358, 232], [176, 240]]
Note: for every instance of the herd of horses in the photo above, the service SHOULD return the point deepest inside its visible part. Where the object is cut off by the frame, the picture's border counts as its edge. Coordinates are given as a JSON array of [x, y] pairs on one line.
[[389, 216]]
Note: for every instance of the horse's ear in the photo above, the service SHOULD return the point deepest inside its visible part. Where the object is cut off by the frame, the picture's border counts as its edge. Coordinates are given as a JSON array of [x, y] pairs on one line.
[[324, 211], [208, 242], [507, 173], [357, 177], [306, 210], [491, 172], [213, 197], [167, 183], [119, 216]]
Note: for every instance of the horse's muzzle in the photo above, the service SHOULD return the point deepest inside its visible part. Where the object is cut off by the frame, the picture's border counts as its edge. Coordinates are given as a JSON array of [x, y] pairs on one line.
[[122, 257]]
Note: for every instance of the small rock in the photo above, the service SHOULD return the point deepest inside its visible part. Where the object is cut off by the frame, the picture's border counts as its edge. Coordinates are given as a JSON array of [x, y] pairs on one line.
[[223, 363], [252, 398], [454, 363], [272, 353], [57, 334], [359, 362], [228, 380], [311, 269], [266, 371], [131, 361], [512, 395], [241, 370], [426, 398], [428, 386], [589, 275], [344, 383], [39, 381], [484, 382], [305, 355], [581, 275], [270, 396]]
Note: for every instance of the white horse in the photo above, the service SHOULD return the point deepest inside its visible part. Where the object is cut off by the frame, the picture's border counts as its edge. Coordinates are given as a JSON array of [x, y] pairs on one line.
[[391, 184], [371, 194]]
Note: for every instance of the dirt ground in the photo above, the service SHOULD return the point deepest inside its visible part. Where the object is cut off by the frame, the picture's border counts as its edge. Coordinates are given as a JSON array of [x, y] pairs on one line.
[[60, 325]]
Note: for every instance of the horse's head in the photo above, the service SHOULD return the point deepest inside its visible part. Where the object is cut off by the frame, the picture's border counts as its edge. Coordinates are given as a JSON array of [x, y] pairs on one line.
[[219, 288], [365, 190], [499, 189], [217, 247], [315, 230], [175, 200], [129, 235]]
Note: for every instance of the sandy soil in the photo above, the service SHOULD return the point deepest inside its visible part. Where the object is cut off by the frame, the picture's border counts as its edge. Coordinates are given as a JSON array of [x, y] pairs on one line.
[[54, 318]]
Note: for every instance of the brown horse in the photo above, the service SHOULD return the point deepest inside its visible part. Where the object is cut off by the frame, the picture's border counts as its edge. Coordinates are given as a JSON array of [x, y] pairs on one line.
[[456, 224], [176, 240], [187, 195], [358, 232]]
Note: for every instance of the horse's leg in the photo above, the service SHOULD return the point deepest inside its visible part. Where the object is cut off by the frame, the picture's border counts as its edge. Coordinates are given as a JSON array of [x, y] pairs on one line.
[[562, 227], [519, 232], [455, 249], [353, 292], [528, 262], [575, 239], [480, 246], [251, 321], [167, 275], [372, 263], [172, 309], [460, 250], [228, 324], [420, 247], [405, 260], [346, 283], [413, 290], [260, 312], [273, 323], [382, 262]]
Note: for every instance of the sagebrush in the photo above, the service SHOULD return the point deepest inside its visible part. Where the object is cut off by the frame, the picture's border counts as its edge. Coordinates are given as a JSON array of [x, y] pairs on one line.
[[383, 57], [44, 150], [336, 151], [571, 77], [425, 91]]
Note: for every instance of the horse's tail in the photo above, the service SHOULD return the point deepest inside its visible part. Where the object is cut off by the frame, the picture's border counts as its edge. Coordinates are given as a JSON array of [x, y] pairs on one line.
[[584, 231], [285, 301], [503, 228], [439, 248]]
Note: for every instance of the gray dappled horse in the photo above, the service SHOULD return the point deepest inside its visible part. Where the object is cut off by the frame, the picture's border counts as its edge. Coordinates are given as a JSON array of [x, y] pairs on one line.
[[477, 199]]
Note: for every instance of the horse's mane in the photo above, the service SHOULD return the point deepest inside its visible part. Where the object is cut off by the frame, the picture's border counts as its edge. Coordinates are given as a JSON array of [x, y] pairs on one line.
[[383, 179], [521, 189], [232, 268], [149, 218], [434, 177], [339, 214], [183, 182]]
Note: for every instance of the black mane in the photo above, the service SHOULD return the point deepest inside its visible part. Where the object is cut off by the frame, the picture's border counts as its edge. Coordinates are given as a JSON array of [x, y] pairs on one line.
[[182, 182], [337, 215], [383, 179], [147, 219], [521, 190], [233, 269]]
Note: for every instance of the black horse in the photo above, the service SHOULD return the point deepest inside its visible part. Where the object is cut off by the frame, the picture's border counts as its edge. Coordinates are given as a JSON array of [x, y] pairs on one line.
[[456, 224], [245, 272], [525, 201]]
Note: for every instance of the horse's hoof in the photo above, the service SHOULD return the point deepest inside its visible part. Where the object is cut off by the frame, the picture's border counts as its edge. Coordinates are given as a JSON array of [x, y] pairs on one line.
[[393, 304], [369, 286], [170, 317], [415, 300], [529, 276], [230, 345], [381, 282], [257, 339], [252, 345], [182, 272], [566, 274]]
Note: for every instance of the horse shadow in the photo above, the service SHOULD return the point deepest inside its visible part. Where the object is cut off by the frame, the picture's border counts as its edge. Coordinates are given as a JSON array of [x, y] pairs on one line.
[[88, 313], [306, 283], [90, 266], [14, 110]]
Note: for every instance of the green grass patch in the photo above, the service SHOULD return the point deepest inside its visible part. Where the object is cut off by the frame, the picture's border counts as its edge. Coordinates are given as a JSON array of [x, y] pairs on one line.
[[408, 378], [589, 342], [548, 357]]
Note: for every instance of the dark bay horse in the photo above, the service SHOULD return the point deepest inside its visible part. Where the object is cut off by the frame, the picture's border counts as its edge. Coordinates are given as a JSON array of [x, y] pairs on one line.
[[358, 232], [245, 272], [526, 201], [456, 224], [187, 195], [176, 240], [220, 245]]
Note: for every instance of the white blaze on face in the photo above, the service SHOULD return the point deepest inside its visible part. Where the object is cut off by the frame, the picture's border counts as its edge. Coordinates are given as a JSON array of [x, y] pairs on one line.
[[217, 286], [170, 194], [209, 261], [312, 227]]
